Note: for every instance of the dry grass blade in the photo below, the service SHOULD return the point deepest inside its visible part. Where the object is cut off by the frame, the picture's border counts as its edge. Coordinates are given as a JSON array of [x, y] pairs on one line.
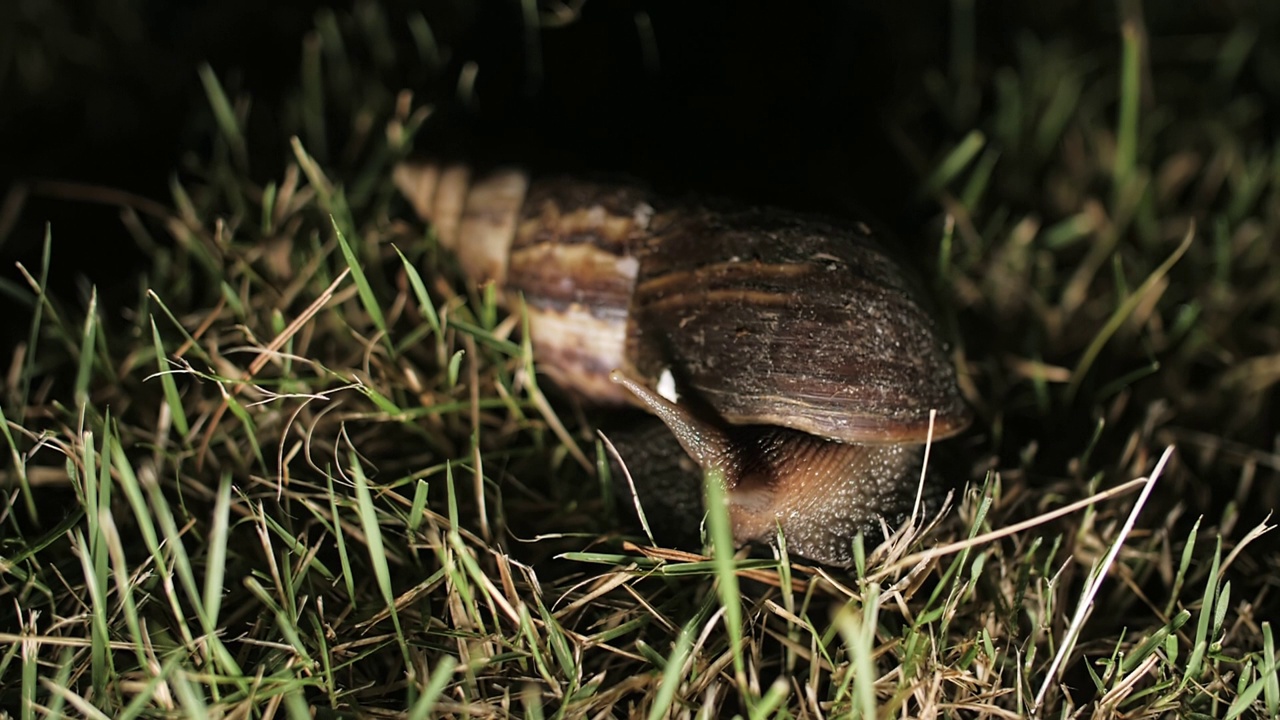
[[1099, 575], [631, 486], [1014, 529], [262, 359]]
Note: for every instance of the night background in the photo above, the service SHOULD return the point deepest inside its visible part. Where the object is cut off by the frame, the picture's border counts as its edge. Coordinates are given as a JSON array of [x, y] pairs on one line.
[[795, 108], [1088, 191]]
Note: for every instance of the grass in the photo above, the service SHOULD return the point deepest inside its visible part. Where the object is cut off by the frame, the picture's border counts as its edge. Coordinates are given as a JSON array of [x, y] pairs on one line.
[[309, 472]]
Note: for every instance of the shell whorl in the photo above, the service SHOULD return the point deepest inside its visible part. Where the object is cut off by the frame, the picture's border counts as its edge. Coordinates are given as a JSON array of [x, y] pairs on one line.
[[768, 316], [476, 221]]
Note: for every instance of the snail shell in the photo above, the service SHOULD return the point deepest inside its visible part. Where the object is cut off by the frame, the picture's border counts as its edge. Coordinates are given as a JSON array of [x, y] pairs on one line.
[[807, 371]]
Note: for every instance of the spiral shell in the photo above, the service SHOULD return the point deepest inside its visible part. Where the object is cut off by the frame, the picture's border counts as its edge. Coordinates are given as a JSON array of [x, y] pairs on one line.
[[802, 360]]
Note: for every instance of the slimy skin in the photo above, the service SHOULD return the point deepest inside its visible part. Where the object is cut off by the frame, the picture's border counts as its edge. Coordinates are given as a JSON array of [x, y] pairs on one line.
[[818, 493]]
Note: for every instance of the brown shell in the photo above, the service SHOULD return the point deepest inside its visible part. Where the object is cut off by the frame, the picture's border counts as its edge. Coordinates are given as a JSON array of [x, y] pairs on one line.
[[770, 317], [775, 318]]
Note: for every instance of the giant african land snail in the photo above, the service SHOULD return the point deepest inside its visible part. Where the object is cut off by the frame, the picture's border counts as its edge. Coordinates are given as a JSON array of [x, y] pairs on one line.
[[797, 335]]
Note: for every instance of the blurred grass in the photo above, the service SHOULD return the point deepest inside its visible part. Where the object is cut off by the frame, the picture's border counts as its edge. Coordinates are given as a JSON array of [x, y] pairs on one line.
[[311, 469]]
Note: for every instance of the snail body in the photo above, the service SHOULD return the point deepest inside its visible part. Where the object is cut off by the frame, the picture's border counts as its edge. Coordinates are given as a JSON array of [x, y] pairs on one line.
[[807, 373]]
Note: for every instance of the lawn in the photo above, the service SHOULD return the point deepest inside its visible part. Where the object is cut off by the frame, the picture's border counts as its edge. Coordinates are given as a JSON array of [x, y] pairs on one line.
[[272, 455]]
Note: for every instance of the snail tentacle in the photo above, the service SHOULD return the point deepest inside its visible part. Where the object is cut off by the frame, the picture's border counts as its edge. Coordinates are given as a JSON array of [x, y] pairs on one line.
[[706, 444]]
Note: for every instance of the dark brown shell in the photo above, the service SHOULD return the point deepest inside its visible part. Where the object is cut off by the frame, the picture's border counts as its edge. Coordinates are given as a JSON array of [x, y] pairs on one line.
[[769, 317], [780, 319]]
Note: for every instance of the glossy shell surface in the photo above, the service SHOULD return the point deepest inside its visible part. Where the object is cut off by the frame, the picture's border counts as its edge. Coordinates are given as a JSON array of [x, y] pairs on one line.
[[770, 317]]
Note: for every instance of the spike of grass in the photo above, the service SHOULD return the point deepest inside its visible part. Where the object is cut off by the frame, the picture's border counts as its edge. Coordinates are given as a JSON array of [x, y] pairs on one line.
[[1133, 41], [979, 179], [486, 337], [1123, 312], [96, 491], [1200, 644], [1057, 115], [33, 333], [857, 627], [217, 563], [87, 346], [434, 688], [19, 468], [174, 401], [425, 305], [721, 532], [97, 597], [955, 162], [1271, 689], [246, 420], [673, 673], [189, 341], [124, 587], [367, 296], [424, 40], [313, 94], [225, 116], [373, 536]]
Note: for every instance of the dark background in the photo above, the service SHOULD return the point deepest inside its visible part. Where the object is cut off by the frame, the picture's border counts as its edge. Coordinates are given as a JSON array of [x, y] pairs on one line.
[[748, 99], [790, 103]]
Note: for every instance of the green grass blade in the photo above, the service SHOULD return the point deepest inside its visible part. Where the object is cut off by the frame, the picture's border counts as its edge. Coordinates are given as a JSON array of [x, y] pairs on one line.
[[721, 531], [377, 552], [33, 333], [673, 673], [174, 401], [435, 686], [1122, 314], [19, 468], [368, 298], [1132, 42], [84, 373], [216, 565], [225, 116], [955, 162]]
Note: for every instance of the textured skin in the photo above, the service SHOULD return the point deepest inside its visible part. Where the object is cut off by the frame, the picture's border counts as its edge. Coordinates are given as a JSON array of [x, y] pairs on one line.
[[801, 485], [668, 484]]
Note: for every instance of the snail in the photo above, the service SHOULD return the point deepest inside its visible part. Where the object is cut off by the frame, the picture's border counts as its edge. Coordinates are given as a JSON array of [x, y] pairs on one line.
[[806, 371]]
